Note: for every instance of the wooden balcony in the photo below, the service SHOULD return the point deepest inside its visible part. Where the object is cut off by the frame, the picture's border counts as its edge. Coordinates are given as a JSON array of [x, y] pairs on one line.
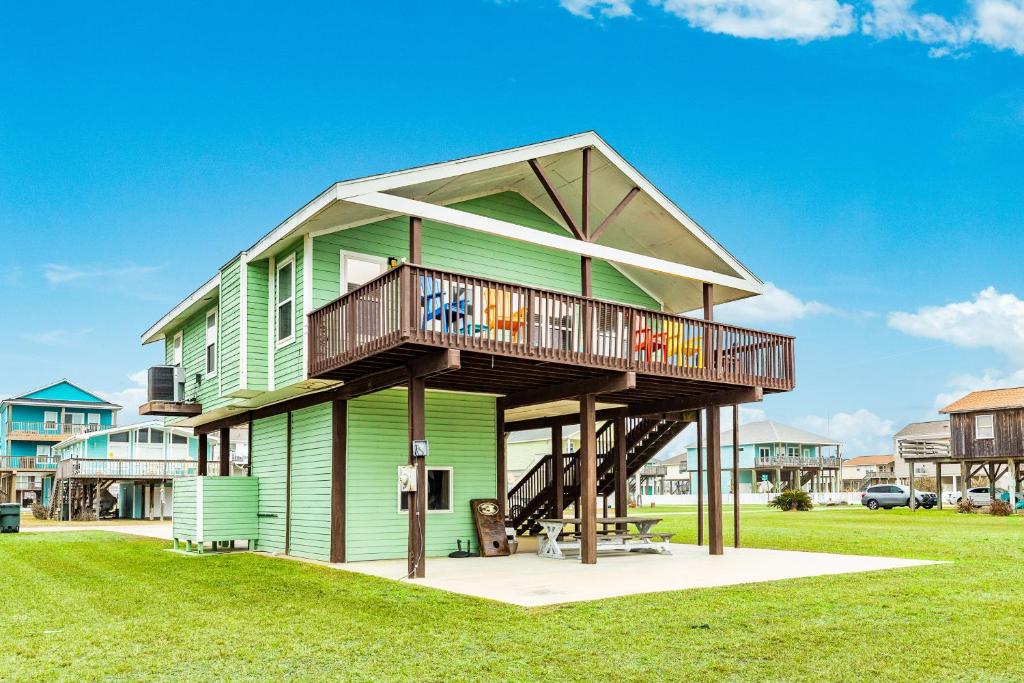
[[49, 431], [96, 468], [795, 461], [509, 333], [28, 463]]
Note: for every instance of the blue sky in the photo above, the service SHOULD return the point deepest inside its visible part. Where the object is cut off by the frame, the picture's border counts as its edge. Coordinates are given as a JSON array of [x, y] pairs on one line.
[[865, 158]]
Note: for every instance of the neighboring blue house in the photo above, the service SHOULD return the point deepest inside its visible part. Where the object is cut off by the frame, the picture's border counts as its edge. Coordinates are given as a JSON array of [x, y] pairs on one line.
[[778, 455], [30, 425]]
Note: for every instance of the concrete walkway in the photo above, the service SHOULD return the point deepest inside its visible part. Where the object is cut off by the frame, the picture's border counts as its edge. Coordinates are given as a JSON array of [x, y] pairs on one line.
[[133, 527], [531, 581]]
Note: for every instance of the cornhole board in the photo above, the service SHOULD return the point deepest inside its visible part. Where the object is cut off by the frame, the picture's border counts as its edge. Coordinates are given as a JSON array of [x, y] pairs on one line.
[[490, 527]]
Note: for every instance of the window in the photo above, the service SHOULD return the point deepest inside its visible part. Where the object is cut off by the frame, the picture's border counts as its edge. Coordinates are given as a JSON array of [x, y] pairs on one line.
[[358, 269], [793, 452], [176, 350], [211, 343], [119, 437], [42, 451], [93, 420], [149, 436], [764, 452], [285, 293], [50, 419], [983, 427], [439, 491], [178, 439]]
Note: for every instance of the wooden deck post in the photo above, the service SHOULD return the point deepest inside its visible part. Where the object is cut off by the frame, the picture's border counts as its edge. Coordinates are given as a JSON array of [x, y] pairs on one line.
[[736, 476], [415, 240], [499, 456], [621, 499], [714, 439], [700, 479], [225, 452], [588, 480], [1012, 487], [418, 501], [201, 465], [557, 471], [339, 443], [938, 482], [910, 502], [586, 265]]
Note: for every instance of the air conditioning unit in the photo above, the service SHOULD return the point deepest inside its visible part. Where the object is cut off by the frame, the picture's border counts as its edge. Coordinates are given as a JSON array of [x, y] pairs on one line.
[[166, 383]]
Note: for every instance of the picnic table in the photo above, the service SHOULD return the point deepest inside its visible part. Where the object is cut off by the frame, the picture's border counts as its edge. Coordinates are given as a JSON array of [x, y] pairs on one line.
[[618, 540]]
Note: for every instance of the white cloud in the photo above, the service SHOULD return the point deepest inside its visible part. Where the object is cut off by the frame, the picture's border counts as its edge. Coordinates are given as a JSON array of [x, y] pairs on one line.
[[130, 397], [61, 274], [990, 320], [1000, 23], [775, 305], [861, 432], [897, 18], [58, 337], [604, 8], [800, 20], [961, 385]]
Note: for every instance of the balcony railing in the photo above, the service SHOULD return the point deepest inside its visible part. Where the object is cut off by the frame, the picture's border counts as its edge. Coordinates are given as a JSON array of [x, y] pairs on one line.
[[414, 304], [19, 429], [27, 462], [125, 469], [795, 461]]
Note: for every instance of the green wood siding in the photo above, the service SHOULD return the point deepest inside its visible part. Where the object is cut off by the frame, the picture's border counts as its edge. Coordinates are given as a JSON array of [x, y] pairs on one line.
[[461, 431], [269, 457], [311, 483], [256, 324], [193, 358], [229, 508], [183, 500], [475, 253], [288, 358], [230, 327]]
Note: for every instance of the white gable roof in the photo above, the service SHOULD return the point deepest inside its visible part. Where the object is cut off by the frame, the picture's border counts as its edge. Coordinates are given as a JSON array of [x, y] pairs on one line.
[[769, 431]]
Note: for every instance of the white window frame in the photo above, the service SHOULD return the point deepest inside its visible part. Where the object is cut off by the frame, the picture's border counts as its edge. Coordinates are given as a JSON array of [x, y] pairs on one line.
[[47, 421], [212, 313], [177, 349], [343, 278], [278, 304], [991, 427], [47, 451], [451, 491]]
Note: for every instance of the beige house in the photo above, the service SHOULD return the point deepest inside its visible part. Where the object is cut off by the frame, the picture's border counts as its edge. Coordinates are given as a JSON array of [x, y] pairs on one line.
[[866, 470], [935, 432]]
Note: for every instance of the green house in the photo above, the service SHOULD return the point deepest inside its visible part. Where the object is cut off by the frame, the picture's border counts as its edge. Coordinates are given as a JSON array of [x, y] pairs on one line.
[[532, 288]]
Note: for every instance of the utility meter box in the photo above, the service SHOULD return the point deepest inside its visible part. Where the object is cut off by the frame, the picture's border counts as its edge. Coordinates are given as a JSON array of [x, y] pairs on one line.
[[407, 478]]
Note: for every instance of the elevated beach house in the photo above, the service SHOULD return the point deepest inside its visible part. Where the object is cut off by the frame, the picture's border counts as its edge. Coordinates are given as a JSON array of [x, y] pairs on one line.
[[32, 423], [416, 318]]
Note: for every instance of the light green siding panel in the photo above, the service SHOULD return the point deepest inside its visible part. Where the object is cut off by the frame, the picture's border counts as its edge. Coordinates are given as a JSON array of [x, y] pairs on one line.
[[256, 324], [461, 432], [230, 326], [269, 459], [230, 508], [288, 358], [475, 253], [311, 483], [184, 504]]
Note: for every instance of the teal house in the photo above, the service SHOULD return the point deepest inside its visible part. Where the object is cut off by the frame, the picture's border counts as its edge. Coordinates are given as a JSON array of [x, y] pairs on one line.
[[32, 423], [379, 346], [776, 454]]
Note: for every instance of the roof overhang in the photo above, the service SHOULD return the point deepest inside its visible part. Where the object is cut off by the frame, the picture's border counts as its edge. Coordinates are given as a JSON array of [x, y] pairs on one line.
[[195, 301]]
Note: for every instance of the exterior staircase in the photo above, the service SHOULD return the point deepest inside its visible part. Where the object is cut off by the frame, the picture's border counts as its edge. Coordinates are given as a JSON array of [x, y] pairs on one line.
[[533, 497]]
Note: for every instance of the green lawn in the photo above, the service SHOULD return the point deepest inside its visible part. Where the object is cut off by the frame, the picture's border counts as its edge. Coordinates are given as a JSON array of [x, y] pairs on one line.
[[93, 605]]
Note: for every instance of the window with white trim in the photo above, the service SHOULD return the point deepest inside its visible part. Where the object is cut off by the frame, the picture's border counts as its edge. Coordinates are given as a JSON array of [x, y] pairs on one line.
[[176, 350], [50, 419], [439, 491], [984, 427], [43, 451], [211, 343], [358, 269], [285, 298]]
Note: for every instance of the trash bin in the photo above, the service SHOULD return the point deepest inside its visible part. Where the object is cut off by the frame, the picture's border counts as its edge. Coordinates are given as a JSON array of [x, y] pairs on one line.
[[10, 518]]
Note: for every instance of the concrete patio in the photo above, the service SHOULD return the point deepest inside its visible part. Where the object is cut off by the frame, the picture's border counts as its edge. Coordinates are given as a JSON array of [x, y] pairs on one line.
[[530, 581]]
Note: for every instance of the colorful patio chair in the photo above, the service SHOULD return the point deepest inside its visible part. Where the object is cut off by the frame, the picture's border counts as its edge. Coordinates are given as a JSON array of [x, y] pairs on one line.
[[499, 313]]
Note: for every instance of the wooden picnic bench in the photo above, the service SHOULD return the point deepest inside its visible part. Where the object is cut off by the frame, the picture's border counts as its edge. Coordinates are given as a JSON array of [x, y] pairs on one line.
[[554, 542]]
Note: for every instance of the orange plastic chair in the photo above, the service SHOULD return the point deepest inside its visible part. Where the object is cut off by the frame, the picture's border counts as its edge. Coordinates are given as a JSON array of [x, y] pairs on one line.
[[499, 315]]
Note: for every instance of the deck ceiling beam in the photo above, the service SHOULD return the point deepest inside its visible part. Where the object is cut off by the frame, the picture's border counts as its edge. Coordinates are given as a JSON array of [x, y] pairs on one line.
[[493, 226], [556, 199], [596, 234], [619, 381]]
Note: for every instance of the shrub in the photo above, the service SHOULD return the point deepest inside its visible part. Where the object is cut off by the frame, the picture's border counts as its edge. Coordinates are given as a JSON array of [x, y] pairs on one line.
[[964, 506], [39, 511], [1001, 508], [792, 499]]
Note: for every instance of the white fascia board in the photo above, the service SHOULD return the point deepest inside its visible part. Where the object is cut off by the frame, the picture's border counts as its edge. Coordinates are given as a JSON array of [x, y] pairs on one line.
[[413, 176], [470, 221], [155, 333]]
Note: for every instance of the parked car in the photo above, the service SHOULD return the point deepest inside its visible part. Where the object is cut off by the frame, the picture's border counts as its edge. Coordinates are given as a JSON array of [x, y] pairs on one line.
[[980, 496], [889, 496]]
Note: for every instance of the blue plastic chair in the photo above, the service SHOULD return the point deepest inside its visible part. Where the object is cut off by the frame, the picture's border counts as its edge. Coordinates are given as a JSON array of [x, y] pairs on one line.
[[432, 298]]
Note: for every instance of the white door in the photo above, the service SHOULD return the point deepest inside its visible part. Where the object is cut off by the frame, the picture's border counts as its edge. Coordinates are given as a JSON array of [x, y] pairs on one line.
[[358, 269]]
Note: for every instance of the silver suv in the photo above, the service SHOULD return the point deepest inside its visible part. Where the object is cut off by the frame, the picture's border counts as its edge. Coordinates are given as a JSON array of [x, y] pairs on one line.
[[889, 496]]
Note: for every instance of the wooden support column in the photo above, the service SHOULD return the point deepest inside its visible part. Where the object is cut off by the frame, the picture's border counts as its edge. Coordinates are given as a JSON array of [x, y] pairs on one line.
[[418, 501], [621, 499], [339, 444], [1012, 487], [586, 265], [910, 503], [225, 452], [201, 465], [500, 462], [938, 482], [587, 511], [415, 239], [557, 472], [714, 440], [700, 480], [736, 476], [965, 478]]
